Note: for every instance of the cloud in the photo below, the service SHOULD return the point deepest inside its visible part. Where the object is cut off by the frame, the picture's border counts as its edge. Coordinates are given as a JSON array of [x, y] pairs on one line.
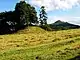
[[22, 0], [26, 1], [55, 4], [70, 19], [52, 5]]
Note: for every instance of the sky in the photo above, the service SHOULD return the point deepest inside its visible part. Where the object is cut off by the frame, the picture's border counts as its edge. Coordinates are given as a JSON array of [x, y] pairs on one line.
[[65, 10]]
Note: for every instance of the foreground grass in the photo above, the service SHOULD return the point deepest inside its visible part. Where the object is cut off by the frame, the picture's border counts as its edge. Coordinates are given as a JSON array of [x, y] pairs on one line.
[[37, 44]]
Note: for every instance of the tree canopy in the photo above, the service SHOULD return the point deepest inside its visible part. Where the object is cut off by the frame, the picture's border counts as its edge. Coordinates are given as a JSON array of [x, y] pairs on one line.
[[23, 15], [26, 14]]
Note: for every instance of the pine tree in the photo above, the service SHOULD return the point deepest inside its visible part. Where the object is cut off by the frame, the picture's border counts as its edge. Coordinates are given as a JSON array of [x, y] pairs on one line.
[[43, 16]]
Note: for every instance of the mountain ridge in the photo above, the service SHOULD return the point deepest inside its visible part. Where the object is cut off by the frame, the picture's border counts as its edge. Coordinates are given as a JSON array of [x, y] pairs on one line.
[[61, 25]]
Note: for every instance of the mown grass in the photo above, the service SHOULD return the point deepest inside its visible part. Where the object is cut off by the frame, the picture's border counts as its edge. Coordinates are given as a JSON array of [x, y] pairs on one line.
[[37, 44]]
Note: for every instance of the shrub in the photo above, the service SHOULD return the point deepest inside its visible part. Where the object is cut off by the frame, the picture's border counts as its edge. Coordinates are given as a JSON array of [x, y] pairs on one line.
[[46, 27]]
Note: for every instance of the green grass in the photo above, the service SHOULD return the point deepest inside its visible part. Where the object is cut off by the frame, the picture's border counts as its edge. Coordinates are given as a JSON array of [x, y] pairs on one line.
[[37, 44]]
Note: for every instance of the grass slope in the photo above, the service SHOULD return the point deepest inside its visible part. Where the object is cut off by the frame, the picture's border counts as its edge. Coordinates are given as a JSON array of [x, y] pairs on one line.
[[37, 44], [31, 30]]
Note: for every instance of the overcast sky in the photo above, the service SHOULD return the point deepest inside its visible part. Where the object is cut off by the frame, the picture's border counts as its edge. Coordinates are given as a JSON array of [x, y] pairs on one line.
[[65, 10]]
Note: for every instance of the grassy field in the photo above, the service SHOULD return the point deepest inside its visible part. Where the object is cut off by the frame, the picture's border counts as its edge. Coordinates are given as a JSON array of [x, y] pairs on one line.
[[37, 44]]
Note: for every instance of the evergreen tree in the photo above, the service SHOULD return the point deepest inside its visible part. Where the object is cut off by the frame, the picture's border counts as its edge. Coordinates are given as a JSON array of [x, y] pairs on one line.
[[43, 16]]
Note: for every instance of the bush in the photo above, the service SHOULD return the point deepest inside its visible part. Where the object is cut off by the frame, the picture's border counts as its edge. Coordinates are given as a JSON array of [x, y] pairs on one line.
[[46, 27]]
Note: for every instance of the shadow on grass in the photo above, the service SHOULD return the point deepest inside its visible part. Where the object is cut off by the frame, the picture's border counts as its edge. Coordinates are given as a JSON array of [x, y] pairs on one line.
[[75, 58]]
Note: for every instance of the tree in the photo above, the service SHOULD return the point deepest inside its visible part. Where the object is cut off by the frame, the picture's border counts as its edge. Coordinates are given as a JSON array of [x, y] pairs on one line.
[[25, 14], [33, 16], [7, 22], [21, 13], [43, 16]]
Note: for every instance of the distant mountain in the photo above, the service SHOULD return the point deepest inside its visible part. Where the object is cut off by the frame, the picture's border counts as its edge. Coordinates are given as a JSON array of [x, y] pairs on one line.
[[60, 25]]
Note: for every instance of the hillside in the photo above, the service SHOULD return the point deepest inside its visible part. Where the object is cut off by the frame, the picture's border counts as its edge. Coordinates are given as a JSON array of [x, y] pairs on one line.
[[38, 44], [61, 25], [26, 35], [31, 29]]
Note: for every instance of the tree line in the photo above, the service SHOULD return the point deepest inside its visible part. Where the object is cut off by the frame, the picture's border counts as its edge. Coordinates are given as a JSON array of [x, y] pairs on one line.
[[23, 16]]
